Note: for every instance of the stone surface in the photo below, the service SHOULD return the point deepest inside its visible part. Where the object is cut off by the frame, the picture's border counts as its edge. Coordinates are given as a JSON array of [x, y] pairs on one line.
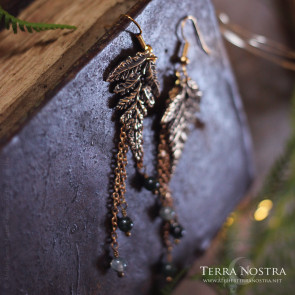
[[55, 173]]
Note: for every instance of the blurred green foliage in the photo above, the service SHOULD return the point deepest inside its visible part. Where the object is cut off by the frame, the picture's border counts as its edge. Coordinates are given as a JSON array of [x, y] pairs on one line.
[[265, 237], [12, 22]]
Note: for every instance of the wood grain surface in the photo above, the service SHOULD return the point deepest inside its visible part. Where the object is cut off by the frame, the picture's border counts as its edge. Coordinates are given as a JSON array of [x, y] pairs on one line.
[[33, 64]]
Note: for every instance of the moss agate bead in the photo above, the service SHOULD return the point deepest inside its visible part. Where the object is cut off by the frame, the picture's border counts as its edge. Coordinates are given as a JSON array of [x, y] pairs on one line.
[[167, 213], [176, 230], [125, 224], [118, 264], [151, 183], [169, 270]]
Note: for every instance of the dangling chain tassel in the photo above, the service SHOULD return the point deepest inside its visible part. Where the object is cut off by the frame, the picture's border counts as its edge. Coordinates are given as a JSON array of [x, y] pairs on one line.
[[182, 103], [124, 223], [167, 213]]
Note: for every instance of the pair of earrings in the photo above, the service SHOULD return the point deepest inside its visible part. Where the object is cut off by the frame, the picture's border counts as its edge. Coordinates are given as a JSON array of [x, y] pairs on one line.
[[137, 85]]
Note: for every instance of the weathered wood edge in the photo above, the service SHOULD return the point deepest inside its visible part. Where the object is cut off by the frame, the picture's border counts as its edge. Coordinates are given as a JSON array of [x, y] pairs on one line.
[[16, 120]]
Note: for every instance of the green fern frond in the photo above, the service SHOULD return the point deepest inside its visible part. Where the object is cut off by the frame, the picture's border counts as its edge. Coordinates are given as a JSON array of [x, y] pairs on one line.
[[15, 23]]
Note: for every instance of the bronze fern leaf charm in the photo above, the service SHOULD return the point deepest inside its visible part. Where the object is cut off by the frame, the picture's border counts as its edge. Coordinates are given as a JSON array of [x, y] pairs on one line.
[[138, 87], [183, 103], [135, 83]]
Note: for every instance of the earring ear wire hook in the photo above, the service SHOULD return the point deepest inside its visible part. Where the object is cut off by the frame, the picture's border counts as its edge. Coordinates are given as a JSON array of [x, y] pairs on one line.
[[199, 35], [135, 22], [139, 35]]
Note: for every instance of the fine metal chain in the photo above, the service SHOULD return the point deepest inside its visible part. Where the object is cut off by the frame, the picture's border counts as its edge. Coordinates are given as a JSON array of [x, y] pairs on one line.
[[164, 170], [119, 188], [123, 149], [164, 176], [167, 241]]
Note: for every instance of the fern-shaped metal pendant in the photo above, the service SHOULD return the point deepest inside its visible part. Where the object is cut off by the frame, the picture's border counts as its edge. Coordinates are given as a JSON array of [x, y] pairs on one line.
[[183, 103], [138, 87]]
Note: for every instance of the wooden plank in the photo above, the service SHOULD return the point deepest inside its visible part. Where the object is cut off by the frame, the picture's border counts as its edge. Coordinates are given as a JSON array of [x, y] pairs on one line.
[[33, 64], [14, 6]]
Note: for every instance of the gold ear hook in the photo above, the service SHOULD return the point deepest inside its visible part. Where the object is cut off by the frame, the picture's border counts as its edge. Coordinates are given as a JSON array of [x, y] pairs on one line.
[[135, 22], [139, 35], [204, 46]]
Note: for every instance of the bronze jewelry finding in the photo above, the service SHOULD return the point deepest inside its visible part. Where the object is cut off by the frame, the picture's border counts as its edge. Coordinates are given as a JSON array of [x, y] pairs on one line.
[[137, 85], [182, 104]]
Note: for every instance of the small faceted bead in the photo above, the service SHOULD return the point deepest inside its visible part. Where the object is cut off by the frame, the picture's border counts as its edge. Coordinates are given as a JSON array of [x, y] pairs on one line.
[[167, 213], [169, 270], [151, 183], [118, 264], [125, 224], [176, 231]]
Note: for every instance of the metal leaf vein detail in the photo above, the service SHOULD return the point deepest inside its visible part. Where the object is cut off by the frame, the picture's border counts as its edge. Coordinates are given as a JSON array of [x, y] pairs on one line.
[[137, 84], [183, 103]]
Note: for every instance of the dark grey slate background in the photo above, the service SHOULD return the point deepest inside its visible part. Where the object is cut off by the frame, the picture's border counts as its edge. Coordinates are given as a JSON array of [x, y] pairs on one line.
[[55, 172]]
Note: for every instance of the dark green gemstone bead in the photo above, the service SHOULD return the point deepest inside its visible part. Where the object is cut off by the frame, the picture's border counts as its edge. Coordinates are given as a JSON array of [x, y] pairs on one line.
[[176, 231], [151, 183], [169, 270], [125, 224]]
